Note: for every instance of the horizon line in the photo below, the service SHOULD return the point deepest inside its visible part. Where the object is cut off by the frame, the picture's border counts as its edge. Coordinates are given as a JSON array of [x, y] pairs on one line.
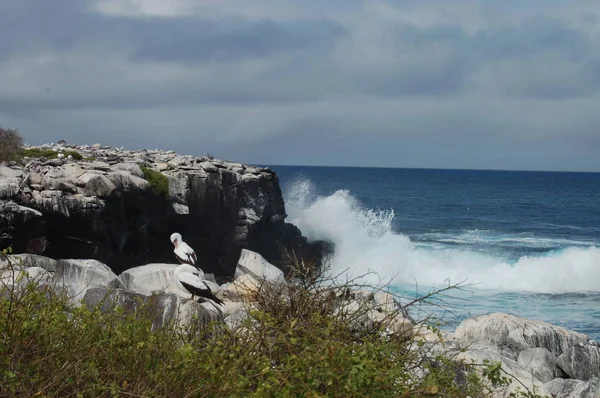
[[433, 168]]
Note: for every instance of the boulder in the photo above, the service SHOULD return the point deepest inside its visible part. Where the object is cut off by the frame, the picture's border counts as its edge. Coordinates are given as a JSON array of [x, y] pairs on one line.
[[231, 307], [101, 186], [9, 187], [163, 308], [568, 388], [96, 165], [77, 276], [33, 260], [87, 176], [131, 167], [235, 320], [209, 167], [385, 302], [126, 182], [581, 361], [68, 172], [151, 279], [59, 185], [511, 334], [13, 279], [243, 288], [541, 363], [39, 275], [477, 354], [8, 172], [255, 265]]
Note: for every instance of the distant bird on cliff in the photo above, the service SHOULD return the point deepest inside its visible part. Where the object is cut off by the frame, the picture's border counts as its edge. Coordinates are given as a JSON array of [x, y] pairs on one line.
[[61, 155], [183, 252], [187, 278]]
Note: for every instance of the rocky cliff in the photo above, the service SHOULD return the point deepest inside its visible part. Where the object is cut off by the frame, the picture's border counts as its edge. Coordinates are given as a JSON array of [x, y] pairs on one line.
[[113, 206]]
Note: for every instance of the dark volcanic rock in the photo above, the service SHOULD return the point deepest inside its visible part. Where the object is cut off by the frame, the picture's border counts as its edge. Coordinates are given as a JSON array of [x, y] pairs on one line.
[[104, 210]]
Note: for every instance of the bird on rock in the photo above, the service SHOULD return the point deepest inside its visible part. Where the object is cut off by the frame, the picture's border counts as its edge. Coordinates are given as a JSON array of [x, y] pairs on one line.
[[183, 252], [187, 275], [188, 279]]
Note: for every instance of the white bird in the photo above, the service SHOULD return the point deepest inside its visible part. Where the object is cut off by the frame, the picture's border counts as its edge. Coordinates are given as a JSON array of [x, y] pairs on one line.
[[183, 252], [70, 157], [187, 278], [61, 155]]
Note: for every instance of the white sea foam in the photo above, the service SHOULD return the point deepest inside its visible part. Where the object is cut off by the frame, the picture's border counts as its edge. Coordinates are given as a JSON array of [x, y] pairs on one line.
[[365, 240]]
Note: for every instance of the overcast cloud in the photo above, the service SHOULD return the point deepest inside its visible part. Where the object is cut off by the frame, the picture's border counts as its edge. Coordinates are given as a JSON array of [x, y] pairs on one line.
[[506, 84]]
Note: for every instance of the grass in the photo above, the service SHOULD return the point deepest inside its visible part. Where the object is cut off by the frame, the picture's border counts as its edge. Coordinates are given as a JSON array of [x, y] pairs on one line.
[[291, 345], [49, 153], [159, 182]]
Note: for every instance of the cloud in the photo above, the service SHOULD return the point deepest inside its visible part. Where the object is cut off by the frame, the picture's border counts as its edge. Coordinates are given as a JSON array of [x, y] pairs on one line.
[[466, 84]]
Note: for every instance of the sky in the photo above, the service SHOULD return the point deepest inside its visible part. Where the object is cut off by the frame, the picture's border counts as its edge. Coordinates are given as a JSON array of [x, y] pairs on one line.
[[490, 84]]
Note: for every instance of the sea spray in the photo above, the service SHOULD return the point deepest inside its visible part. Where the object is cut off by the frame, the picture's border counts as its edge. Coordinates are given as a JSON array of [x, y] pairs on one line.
[[365, 240]]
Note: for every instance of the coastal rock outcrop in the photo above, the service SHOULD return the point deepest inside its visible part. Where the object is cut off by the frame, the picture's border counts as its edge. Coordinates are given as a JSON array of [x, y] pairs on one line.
[[120, 206], [547, 359], [553, 359], [573, 353]]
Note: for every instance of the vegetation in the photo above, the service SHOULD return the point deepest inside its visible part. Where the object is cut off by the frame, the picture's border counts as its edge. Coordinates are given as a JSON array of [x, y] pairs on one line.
[[159, 181], [11, 143], [48, 153], [291, 345]]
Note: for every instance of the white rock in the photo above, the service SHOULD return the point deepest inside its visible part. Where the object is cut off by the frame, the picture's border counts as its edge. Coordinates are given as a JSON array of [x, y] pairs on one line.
[[208, 167], [39, 275], [385, 302], [132, 168], [242, 289], [513, 334], [9, 187], [540, 362], [8, 172], [568, 388], [128, 183], [152, 278], [581, 361], [254, 264], [231, 307], [100, 186], [87, 176], [77, 276], [477, 354], [33, 260]]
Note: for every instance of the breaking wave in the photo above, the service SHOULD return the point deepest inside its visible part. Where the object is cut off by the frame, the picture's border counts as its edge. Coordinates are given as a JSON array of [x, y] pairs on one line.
[[365, 240]]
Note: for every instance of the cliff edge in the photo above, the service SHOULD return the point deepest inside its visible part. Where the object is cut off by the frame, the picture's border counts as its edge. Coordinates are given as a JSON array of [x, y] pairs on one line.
[[120, 206]]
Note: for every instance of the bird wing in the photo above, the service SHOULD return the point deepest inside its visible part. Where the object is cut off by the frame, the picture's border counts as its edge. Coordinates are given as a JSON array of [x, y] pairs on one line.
[[192, 279], [185, 254], [196, 286]]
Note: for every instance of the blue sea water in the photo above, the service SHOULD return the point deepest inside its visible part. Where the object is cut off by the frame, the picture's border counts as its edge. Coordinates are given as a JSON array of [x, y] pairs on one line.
[[523, 243]]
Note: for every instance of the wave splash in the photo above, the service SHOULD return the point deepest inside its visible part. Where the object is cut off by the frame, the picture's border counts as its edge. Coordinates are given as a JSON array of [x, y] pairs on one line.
[[366, 241]]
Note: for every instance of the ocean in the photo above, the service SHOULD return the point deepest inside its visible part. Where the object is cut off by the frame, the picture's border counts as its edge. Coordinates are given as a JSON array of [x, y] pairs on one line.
[[523, 243]]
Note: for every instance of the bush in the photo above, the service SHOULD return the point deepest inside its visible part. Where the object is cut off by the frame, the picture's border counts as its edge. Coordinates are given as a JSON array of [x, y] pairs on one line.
[[48, 348], [49, 153], [11, 143], [159, 181]]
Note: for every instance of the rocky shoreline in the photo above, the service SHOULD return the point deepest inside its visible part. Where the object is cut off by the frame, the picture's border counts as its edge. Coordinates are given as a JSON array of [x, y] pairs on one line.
[[106, 206], [97, 226], [550, 360]]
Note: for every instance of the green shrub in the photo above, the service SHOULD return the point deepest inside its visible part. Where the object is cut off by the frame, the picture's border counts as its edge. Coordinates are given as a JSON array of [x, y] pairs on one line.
[[49, 348], [11, 143], [159, 181], [49, 153]]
